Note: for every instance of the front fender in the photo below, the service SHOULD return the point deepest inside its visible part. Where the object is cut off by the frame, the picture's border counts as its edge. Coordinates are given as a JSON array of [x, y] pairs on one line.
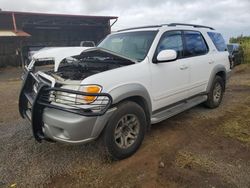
[[131, 90]]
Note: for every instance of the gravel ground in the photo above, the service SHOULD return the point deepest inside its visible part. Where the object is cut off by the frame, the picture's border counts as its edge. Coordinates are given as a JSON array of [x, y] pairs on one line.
[[198, 148], [27, 162]]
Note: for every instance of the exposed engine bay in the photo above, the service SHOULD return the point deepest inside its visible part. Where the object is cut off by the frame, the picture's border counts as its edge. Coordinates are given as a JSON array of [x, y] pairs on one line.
[[86, 64], [80, 69]]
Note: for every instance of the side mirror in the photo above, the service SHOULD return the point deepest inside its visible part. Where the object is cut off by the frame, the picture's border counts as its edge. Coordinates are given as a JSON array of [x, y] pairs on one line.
[[166, 56]]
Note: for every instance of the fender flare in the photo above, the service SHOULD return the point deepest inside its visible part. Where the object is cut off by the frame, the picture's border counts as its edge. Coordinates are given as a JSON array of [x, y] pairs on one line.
[[216, 69], [123, 92]]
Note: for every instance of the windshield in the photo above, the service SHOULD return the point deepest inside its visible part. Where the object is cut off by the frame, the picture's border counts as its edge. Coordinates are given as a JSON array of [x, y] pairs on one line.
[[134, 45]]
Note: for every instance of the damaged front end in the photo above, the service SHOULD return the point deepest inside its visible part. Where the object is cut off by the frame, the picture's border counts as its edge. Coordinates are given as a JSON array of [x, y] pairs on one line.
[[37, 94], [60, 88]]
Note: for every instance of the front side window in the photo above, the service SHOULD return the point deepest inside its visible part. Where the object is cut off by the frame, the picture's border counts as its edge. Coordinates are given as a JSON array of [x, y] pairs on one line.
[[195, 44], [134, 45], [171, 40], [218, 41]]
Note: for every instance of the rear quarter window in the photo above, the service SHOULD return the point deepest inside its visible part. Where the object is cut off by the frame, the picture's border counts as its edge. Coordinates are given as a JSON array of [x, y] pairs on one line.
[[218, 41]]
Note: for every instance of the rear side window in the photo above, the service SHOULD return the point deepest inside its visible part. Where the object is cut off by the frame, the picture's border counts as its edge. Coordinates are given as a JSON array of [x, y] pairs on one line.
[[218, 41], [195, 44]]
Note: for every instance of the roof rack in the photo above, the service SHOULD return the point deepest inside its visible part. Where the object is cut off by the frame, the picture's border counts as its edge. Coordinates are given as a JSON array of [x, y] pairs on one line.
[[171, 25], [142, 27], [192, 25]]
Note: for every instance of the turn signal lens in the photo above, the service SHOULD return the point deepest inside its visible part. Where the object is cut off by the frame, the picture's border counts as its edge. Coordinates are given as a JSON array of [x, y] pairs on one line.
[[90, 89]]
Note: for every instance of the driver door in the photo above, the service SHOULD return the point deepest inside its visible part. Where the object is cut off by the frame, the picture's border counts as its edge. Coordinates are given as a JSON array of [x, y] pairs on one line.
[[170, 80]]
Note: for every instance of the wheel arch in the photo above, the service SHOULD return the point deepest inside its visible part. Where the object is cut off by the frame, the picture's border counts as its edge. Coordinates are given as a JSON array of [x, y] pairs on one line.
[[218, 70], [136, 93]]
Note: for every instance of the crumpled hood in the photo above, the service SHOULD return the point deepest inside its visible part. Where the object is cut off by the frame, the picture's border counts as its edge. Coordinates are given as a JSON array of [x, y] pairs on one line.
[[58, 54]]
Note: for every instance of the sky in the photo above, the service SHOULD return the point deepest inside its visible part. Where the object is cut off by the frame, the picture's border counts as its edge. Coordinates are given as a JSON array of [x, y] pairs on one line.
[[231, 17]]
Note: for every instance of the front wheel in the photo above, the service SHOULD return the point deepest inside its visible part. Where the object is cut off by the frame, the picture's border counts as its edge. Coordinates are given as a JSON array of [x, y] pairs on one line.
[[216, 92], [125, 130]]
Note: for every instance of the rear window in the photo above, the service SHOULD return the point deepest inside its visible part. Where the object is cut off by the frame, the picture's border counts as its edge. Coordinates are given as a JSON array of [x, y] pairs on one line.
[[195, 44], [218, 41]]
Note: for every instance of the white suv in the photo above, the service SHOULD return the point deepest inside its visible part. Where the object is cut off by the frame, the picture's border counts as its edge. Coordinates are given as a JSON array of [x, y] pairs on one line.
[[134, 78]]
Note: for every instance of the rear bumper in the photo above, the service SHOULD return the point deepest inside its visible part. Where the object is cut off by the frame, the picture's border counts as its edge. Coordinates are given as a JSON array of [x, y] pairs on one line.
[[77, 123]]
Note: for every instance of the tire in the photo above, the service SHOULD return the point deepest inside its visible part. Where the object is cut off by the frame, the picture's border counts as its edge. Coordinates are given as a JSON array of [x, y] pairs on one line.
[[216, 92], [125, 130]]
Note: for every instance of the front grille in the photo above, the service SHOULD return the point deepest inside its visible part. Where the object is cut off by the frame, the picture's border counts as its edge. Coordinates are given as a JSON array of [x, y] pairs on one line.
[[72, 101]]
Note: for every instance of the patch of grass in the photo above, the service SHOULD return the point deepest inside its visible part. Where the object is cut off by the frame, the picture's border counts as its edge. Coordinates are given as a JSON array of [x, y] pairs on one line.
[[189, 160], [237, 126], [238, 129], [242, 82]]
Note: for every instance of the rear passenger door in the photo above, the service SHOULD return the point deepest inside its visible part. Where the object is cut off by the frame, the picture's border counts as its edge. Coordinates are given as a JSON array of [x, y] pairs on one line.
[[196, 54]]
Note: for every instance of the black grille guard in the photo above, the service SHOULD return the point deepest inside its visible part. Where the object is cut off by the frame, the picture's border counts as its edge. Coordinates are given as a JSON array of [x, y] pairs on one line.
[[33, 101]]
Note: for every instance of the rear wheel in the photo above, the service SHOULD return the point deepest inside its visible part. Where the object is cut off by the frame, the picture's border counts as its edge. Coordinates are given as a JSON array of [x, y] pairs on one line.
[[125, 130], [216, 92]]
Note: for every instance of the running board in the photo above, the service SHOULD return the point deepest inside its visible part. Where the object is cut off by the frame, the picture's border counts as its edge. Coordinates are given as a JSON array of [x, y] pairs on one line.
[[173, 110]]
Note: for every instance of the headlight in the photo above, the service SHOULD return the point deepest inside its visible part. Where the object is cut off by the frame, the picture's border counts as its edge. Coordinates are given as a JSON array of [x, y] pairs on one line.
[[69, 98], [93, 89], [65, 97]]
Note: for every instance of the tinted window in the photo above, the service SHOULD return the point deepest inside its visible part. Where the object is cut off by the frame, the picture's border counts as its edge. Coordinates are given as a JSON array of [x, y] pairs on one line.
[[218, 41], [171, 41], [195, 44]]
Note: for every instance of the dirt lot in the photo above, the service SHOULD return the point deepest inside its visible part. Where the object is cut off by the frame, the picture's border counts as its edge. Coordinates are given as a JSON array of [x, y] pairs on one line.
[[198, 148]]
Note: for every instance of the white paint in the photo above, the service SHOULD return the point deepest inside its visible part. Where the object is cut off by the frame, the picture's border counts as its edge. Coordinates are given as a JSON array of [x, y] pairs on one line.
[[57, 54], [166, 83]]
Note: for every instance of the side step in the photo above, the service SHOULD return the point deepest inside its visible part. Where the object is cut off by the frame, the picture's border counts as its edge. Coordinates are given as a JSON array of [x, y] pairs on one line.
[[173, 110]]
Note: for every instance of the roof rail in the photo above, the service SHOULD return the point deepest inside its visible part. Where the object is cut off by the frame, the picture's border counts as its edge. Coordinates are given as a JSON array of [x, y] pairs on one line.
[[192, 25], [142, 27], [171, 25]]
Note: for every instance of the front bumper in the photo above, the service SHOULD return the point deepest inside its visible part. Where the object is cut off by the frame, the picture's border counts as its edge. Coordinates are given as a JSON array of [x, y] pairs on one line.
[[73, 128], [68, 123]]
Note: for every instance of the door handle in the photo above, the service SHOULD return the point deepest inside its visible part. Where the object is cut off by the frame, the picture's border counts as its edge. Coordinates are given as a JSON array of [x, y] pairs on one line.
[[211, 62], [183, 67]]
